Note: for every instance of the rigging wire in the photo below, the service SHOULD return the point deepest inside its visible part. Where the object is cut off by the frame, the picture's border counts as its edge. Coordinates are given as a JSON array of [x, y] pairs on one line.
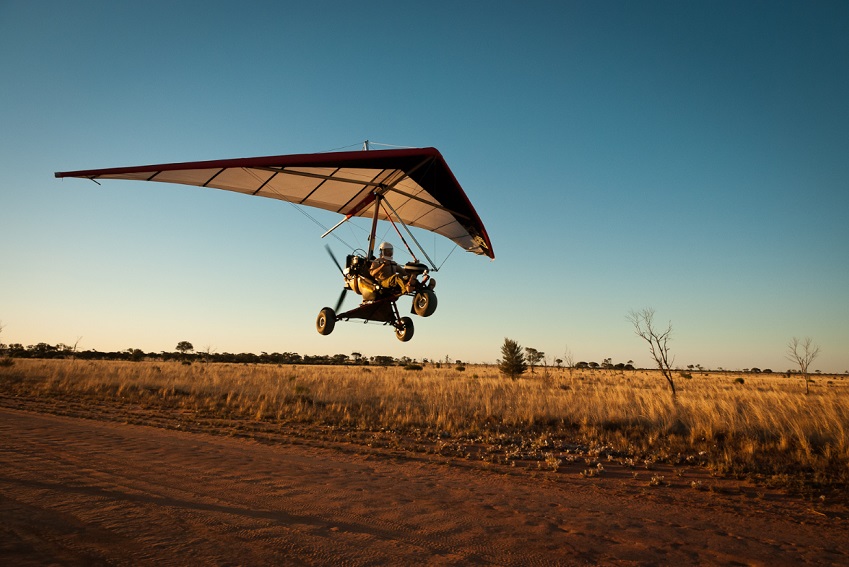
[[365, 145], [453, 248], [316, 221], [370, 143], [343, 147], [401, 236]]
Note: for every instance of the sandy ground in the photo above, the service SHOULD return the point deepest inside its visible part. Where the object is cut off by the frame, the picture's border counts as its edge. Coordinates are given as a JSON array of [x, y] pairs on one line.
[[83, 492]]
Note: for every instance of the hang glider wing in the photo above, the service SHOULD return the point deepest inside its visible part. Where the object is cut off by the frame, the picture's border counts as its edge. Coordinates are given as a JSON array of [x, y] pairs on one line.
[[416, 183]]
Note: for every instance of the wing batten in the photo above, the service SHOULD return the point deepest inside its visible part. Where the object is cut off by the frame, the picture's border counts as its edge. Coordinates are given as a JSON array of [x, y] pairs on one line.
[[208, 181], [317, 187], [264, 183]]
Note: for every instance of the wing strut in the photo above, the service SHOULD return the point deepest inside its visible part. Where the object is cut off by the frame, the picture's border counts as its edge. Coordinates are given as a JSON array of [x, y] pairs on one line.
[[432, 264], [357, 208]]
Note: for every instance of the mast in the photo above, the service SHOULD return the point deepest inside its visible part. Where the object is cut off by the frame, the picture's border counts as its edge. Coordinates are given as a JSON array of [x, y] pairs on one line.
[[377, 199]]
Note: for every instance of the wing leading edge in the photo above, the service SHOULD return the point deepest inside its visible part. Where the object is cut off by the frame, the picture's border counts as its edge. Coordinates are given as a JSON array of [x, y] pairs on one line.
[[417, 183]]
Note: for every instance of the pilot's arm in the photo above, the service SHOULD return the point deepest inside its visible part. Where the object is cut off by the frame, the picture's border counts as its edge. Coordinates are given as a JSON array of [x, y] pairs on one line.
[[377, 268]]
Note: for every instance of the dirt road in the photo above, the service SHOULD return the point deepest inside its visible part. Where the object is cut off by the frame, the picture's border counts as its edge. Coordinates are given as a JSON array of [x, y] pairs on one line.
[[82, 492]]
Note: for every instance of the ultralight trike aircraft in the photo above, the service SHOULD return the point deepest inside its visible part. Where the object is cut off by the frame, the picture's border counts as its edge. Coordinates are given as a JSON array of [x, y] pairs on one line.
[[411, 187]]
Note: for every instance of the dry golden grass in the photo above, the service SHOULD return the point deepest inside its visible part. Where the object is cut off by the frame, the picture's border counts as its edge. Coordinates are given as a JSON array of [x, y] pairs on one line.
[[765, 428]]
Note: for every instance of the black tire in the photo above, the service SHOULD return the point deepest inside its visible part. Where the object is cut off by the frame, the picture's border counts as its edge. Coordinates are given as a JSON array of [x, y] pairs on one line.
[[404, 330], [326, 321], [424, 303]]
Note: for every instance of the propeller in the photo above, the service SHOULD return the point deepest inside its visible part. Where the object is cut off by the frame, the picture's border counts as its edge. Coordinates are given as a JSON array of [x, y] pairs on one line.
[[335, 261], [344, 289], [340, 300]]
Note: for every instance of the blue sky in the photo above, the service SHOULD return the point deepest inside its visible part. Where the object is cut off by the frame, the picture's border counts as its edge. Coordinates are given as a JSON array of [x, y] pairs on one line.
[[688, 156]]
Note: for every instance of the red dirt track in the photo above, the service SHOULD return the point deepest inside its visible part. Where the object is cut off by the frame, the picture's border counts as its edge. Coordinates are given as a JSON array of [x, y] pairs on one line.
[[83, 492]]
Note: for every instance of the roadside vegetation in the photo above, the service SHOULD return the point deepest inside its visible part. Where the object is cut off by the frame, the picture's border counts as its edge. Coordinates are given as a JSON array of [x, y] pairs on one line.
[[762, 427]]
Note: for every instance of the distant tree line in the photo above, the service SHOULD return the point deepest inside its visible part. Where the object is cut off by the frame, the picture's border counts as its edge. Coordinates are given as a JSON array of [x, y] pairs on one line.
[[185, 352], [606, 365]]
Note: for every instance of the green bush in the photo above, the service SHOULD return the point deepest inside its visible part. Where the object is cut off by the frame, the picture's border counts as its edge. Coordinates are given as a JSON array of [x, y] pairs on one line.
[[512, 363]]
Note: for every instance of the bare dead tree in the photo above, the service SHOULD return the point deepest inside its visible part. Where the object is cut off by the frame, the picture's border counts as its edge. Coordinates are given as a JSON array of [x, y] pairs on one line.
[[207, 352], [569, 360], [802, 353], [658, 340], [74, 348]]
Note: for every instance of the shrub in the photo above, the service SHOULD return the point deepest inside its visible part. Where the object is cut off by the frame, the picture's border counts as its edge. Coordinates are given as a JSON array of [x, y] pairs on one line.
[[739, 380], [512, 363]]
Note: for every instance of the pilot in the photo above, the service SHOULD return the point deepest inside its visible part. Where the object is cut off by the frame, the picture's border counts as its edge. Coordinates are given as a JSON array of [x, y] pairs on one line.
[[387, 273]]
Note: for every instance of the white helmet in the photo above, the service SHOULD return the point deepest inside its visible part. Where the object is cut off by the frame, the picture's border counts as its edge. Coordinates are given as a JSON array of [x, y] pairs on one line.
[[386, 249]]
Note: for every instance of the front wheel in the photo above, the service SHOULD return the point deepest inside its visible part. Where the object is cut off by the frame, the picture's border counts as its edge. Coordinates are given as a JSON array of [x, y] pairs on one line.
[[424, 303], [404, 330], [326, 321]]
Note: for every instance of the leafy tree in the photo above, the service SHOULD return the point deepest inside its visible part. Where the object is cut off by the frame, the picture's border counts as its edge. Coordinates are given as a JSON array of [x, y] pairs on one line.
[[43, 350], [533, 356], [184, 347], [383, 360], [512, 361]]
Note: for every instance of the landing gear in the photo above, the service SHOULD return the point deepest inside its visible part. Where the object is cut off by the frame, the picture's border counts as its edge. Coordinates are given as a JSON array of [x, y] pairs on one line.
[[404, 329], [326, 321], [424, 303]]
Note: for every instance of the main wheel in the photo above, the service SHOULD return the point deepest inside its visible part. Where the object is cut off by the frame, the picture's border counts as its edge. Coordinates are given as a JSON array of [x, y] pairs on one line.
[[404, 330], [326, 321], [424, 303]]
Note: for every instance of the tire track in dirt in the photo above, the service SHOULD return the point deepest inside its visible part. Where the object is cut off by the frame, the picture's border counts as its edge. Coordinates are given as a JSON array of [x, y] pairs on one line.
[[77, 491]]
